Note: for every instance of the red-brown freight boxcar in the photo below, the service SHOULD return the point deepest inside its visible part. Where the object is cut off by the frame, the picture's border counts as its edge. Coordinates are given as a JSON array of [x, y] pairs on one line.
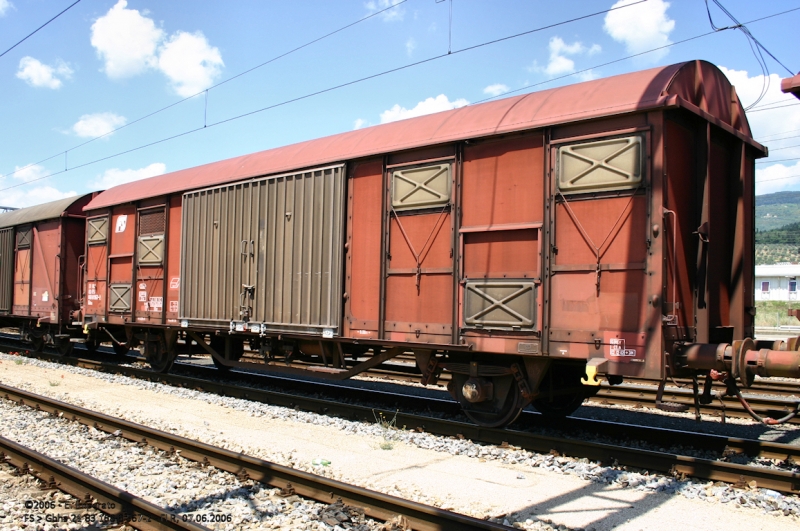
[[40, 285], [527, 246]]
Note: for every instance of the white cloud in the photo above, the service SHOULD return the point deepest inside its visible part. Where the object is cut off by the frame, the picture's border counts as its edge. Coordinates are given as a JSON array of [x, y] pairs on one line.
[[19, 197], [777, 178], [411, 45], [38, 74], [769, 126], [190, 63], [35, 196], [126, 41], [98, 124], [130, 43], [5, 5], [428, 106], [765, 123], [115, 176], [359, 123], [641, 27], [390, 15], [496, 89], [32, 172], [559, 63]]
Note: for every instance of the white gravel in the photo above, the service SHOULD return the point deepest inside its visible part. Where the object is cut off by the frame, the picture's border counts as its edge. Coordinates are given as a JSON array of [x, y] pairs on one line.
[[206, 495], [764, 500]]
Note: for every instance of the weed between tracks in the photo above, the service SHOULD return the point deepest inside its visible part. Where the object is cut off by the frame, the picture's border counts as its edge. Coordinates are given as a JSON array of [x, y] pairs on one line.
[[388, 430]]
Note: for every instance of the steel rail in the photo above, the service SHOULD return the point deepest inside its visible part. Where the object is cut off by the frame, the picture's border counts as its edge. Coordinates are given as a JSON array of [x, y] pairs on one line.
[[641, 396], [604, 452], [121, 506], [762, 386], [375, 504]]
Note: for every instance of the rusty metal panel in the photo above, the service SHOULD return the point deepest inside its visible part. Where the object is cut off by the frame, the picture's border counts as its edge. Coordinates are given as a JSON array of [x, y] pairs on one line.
[[363, 276], [73, 230], [598, 255], [680, 222], [123, 230], [421, 186], [502, 182], [6, 269], [500, 304], [46, 271], [268, 251], [96, 273], [502, 253], [609, 164], [173, 277], [97, 230], [22, 282], [419, 277]]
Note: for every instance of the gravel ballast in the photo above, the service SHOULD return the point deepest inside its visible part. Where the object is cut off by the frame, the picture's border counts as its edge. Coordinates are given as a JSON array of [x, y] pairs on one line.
[[513, 486]]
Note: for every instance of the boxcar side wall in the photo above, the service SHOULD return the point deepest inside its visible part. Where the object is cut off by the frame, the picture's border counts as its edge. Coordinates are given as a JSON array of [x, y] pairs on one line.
[[363, 265], [266, 254], [604, 273], [500, 244]]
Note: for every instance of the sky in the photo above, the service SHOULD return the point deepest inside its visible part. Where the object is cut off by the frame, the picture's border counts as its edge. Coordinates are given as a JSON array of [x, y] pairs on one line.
[[112, 91]]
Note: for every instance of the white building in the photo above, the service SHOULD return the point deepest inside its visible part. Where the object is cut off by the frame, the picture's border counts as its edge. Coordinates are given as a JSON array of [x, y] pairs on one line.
[[777, 282]]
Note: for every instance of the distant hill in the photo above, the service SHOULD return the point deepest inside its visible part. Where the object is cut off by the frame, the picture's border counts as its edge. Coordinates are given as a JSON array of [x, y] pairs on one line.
[[774, 211], [778, 228]]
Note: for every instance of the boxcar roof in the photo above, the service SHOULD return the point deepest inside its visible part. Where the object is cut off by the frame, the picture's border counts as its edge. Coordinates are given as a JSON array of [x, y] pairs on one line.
[[696, 85], [51, 210]]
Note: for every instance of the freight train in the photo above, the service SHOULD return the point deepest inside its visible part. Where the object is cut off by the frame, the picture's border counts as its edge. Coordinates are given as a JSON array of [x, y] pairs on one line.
[[529, 246]]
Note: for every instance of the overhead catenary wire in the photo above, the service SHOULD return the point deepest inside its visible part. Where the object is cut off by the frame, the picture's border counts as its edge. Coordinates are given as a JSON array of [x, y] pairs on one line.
[[205, 91], [768, 161], [772, 106], [286, 102], [777, 178], [386, 72], [585, 70], [743, 28], [31, 34]]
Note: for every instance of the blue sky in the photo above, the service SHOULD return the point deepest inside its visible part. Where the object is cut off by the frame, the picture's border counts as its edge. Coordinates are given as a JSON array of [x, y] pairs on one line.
[[107, 63]]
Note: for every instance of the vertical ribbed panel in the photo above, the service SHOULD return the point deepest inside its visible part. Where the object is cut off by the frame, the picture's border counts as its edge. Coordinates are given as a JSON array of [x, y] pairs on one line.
[[281, 235], [6, 268]]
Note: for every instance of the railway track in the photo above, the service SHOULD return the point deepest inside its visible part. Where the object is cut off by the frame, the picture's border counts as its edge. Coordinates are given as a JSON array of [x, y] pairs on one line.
[[767, 398], [617, 452], [376, 505], [118, 506]]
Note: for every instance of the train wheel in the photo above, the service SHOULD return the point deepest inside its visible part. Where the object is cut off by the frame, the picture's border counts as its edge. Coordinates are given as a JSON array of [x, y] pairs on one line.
[[38, 342], [500, 410], [158, 355]]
